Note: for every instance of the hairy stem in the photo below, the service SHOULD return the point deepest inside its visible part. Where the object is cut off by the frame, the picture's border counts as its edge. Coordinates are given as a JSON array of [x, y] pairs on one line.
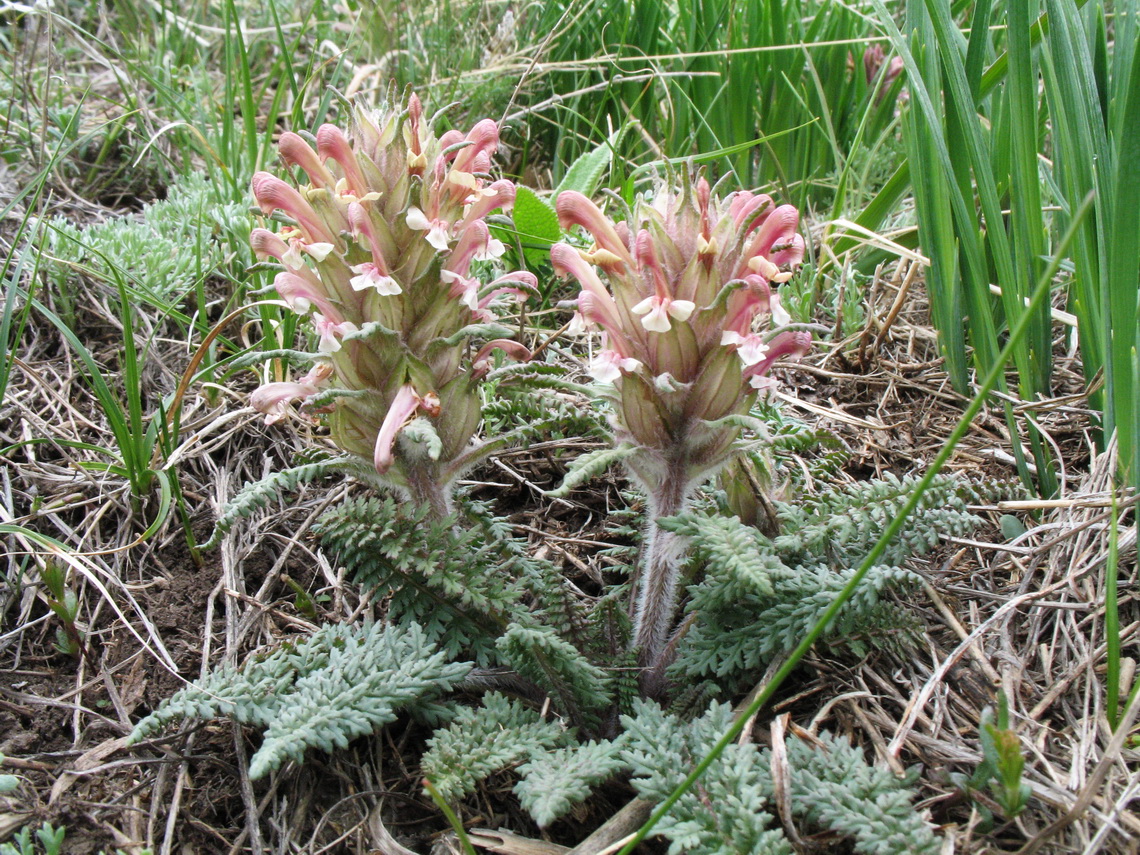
[[424, 488], [657, 585]]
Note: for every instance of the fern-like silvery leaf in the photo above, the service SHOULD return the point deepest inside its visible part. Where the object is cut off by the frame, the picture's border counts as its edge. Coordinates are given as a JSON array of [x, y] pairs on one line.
[[729, 811], [557, 667], [321, 692], [834, 787], [734, 549], [590, 465], [252, 497], [556, 781], [484, 740], [371, 673]]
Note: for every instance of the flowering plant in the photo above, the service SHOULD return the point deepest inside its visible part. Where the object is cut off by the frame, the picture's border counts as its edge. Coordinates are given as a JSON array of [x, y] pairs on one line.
[[379, 253], [689, 284]]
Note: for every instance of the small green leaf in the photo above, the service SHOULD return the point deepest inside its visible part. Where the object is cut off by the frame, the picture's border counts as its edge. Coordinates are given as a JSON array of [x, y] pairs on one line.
[[586, 172], [536, 223], [1011, 527]]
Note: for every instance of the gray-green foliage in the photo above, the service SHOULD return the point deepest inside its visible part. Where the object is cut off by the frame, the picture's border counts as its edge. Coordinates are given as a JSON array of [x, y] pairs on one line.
[[731, 808], [340, 683], [750, 605], [47, 836], [163, 251], [258, 494], [843, 523], [476, 590], [537, 653], [456, 583], [481, 741], [555, 781], [833, 787], [758, 596]]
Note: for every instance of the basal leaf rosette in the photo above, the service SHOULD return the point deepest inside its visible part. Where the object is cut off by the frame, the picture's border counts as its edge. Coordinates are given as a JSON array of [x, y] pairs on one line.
[[683, 295], [380, 251]]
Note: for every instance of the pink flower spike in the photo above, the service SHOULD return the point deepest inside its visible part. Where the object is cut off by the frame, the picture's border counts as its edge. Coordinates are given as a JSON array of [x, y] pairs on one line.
[[574, 209], [608, 366], [368, 275], [404, 406], [750, 348], [272, 194], [296, 152], [437, 230], [332, 143]]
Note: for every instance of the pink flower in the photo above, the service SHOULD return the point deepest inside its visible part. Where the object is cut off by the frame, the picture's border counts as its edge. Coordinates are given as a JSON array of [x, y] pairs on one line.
[[333, 144], [296, 152], [467, 290], [608, 366], [515, 350], [403, 408], [272, 194], [437, 230], [658, 310], [273, 399], [750, 348], [368, 275], [331, 332], [292, 256], [574, 209], [302, 291], [786, 344]]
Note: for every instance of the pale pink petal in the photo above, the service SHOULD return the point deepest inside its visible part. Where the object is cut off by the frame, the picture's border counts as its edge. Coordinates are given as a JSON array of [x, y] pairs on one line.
[[403, 406]]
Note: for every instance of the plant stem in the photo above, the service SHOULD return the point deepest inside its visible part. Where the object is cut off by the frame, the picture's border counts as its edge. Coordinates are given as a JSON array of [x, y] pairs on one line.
[[424, 489], [657, 587]]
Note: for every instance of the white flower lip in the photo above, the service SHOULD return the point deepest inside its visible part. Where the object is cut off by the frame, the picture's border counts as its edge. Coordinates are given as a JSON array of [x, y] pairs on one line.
[[369, 276], [658, 310], [608, 365]]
